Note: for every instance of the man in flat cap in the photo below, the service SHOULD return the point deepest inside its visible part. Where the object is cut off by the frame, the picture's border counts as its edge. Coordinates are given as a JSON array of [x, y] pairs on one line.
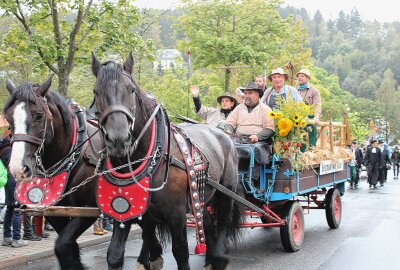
[[213, 116]]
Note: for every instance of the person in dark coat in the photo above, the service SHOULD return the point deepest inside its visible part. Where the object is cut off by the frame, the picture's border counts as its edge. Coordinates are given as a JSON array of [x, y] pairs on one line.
[[12, 218], [385, 162], [396, 162], [372, 161]]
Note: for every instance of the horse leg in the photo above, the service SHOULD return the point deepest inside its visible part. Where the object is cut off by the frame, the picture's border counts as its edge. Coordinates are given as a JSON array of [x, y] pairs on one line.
[[209, 232], [150, 254], [58, 223], [116, 249], [66, 247], [219, 257], [180, 250]]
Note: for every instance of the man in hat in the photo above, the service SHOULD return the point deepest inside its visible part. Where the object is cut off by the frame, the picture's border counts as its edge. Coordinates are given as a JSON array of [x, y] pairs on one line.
[[251, 118], [251, 123], [385, 162], [372, 161], [309, 93], [355, 165], [279, 88], [213, 116]]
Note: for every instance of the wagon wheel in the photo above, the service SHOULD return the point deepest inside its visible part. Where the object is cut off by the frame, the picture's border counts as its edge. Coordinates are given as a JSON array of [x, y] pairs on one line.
[[333, 208], [292, 233]]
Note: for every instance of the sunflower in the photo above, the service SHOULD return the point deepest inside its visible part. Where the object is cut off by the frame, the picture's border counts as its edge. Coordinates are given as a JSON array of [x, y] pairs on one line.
[[303, 123], [296, 117], [283, 132], [279, 115], [286, 124], [297, 123], [272, 114]]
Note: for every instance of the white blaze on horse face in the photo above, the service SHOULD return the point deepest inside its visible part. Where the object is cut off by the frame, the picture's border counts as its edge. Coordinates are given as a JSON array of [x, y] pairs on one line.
[[18, 149]]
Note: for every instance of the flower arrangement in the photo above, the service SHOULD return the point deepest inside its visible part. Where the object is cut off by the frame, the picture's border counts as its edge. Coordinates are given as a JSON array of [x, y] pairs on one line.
[[290, 118]]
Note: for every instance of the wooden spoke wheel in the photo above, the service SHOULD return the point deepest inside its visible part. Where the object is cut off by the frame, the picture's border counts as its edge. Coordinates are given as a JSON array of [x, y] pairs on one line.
[[333, 208], [292, 233]]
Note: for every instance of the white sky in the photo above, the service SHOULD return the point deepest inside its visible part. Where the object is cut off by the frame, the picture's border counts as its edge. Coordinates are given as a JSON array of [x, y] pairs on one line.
[[381, 10]]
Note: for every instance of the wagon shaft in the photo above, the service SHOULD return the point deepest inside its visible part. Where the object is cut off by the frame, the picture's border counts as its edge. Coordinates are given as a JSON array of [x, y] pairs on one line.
[[60, 211]]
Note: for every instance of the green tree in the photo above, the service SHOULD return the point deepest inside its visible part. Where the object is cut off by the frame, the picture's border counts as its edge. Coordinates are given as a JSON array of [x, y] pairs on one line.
[[56, 34], [226, 33]]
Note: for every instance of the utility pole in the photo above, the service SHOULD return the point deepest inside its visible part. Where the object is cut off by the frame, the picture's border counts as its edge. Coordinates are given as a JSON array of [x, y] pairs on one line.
[[189, 53]]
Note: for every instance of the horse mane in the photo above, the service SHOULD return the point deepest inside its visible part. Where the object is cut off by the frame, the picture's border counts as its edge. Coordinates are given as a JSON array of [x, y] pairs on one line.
[[25, 92], [112, 71]]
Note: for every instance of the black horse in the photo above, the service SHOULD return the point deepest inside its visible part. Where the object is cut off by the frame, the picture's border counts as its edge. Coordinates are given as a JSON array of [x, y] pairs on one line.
[[50, 138], [128, 117]]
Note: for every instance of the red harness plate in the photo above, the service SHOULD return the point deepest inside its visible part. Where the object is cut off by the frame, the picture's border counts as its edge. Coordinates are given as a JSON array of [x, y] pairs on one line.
[[42, 191], [122, 202]]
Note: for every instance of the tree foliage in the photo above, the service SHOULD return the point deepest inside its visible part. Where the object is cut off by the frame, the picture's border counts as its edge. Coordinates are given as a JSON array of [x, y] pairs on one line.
[[55, 35], [226, 33]]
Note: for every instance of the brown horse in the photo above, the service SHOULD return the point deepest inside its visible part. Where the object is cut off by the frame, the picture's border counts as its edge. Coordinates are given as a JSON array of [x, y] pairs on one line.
[[126, 115], [50, 137]]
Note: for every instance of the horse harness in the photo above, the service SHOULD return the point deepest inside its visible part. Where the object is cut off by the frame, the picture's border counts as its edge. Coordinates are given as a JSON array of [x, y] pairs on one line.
[[47, 188]]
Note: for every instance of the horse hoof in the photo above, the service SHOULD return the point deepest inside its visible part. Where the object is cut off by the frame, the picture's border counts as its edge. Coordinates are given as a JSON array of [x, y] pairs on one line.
[[139, 266], [157, 264]]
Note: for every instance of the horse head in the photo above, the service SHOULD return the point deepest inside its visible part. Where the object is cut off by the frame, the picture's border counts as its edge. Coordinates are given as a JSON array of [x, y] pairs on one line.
[[116, 102], [31, 119]]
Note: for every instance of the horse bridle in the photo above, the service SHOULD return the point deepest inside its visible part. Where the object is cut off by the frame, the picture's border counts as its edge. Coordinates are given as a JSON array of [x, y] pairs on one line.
[[118, 108], [121, 108], [18, 137]]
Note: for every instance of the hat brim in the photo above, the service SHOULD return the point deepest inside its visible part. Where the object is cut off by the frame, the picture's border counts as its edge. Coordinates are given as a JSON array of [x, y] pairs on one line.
[[259, 91], [219, 99], [303, 74], [270, 76]]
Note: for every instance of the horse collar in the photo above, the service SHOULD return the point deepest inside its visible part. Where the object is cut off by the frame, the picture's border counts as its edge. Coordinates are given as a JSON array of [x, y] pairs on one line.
[[124, 196]]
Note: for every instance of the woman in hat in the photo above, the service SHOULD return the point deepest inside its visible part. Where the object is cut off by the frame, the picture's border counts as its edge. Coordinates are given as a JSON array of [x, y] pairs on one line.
[[213, 116], [309, 93], [278, 78]]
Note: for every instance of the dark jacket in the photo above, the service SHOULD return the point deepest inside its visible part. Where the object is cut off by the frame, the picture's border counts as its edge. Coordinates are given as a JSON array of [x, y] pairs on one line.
[[359, 157]]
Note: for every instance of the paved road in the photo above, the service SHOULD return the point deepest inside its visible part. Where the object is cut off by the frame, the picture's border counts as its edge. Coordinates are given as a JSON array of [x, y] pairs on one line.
[[367, 239]]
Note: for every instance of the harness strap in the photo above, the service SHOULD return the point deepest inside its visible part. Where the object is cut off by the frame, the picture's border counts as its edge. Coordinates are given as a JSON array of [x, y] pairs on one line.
[[177, 163], [116, 108], [146, 126], [26, 138], [194, 192]]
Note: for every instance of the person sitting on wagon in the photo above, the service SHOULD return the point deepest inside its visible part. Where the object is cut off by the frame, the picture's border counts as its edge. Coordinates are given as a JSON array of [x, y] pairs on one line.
[[250, 122], [213, 116], [278, 78], [312, 97]]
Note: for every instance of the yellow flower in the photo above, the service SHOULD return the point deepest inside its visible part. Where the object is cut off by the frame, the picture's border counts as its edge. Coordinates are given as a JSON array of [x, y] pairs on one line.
[[272, 114], [283, 132], [303, 123], [285, 123], [279, 115], [297, 124], [296, 117]]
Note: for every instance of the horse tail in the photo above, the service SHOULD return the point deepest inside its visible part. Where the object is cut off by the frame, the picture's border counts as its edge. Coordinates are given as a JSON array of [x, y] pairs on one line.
[[235, 233], [163, 234]]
